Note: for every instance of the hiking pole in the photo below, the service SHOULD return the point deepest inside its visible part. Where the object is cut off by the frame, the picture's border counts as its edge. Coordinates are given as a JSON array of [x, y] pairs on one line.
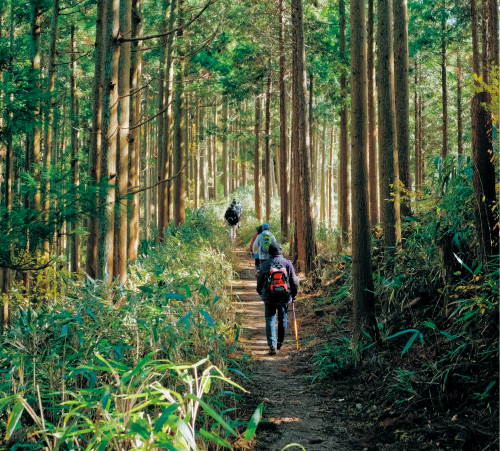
[[295, 325]]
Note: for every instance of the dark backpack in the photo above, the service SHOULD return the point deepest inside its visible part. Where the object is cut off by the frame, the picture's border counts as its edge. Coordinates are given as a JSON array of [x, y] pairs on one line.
[[278, 288], [267, 238]]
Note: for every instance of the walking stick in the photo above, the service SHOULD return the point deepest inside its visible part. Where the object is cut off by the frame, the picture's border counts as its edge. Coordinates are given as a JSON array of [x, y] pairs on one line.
[[295, 326]]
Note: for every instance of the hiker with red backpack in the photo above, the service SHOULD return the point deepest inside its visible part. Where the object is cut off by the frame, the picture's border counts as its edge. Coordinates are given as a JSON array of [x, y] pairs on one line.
[[261, 245], [277, 286]]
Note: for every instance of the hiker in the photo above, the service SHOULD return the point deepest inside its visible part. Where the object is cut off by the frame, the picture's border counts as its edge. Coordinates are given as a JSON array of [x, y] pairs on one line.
[[233, 215], [261, 244], [277, 286], [256, 255]]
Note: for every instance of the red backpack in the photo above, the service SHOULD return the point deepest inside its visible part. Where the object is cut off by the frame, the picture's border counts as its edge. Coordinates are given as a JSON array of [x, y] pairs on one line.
[[278, 288]]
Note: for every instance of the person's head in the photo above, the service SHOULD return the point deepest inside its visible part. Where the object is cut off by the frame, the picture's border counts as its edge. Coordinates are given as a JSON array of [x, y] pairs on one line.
[[275, 249], [259, 229], [234, 201], [265, 226]]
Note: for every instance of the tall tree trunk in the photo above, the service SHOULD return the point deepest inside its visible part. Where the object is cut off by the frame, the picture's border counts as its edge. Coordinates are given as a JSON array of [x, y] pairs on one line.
[[386, 119], [135, 137], [362, 281], [75, 163], [330, 181], [372, 142], [484, 178], [283, 130], [308, 236], [267, 147], [110, 141], [475, 40], [120, 265], [36, 14], [402, 99], [312, 146], [256, 160], [96, 143], [225, 154], [344, 147], [215, 151], [323, 173], [417, 132], [495, 40], [460, 141], [204, 156], [179, 130], [486, 42], [443, 84], [244, 169], [196, 154]]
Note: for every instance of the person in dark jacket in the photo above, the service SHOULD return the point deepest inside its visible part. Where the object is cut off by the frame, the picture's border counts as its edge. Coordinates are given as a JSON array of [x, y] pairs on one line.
[[256, 256], [272, 308]]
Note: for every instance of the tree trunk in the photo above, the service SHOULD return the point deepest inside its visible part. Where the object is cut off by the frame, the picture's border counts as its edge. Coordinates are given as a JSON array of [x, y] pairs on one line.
[[484, 177], [402, 100], [362, 281], [460, 141], [323, 170], [196, 151], [135, 133], [96, 136], [344, 146], [225, 154], [486, 44], [386, 120], [283, 130], [372, 143], [204, 156], [110, 140], [308, 236], [120, 268], [443, 86], [416, 130], [256, 161], [268, 148], [495, 40], [75, 163], [179, 150], [215, 151], [330, 181]]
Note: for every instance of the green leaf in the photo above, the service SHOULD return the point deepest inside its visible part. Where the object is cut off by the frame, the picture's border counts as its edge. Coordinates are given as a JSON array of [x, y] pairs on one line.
[[160, 422], [463, 263], [175, 296], [254, 422], [138, 367], [14, 417], [213, 414], [397, 334], [215, 438], [207, 317], [410, 342], [64, 331], [188, 290], [91, 314], [140, 427], [146, 289], [105, 398], [186, 433], [184, 318]]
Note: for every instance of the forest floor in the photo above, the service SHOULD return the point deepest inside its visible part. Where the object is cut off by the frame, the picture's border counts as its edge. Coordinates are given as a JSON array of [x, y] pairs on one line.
[[295, 411]]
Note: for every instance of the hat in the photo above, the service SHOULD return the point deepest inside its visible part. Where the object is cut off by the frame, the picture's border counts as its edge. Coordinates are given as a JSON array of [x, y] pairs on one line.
[[265, 226], [275, 249]]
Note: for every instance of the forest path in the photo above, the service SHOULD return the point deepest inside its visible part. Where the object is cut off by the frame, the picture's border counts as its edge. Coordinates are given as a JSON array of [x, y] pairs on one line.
[[294, 410]]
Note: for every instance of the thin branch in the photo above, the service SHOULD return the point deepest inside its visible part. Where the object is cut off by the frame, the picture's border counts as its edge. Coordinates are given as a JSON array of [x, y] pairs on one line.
[[161, 35], [140, 190], [151, 118]]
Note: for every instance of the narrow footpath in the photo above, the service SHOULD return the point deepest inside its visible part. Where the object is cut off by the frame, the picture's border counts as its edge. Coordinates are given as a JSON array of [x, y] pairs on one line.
[[294, 410]]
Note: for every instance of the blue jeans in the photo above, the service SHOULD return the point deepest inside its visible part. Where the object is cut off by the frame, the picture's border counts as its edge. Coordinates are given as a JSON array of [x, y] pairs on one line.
[[271, 310]]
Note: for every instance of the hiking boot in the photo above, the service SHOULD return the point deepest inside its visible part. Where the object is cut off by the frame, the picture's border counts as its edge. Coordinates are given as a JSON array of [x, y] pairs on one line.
[[279, 345], [272, 350]]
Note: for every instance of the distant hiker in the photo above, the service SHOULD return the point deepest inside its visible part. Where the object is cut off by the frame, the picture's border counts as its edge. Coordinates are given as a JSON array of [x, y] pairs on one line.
[[232, 216], [256, 255], [262, 243], [277, 286]]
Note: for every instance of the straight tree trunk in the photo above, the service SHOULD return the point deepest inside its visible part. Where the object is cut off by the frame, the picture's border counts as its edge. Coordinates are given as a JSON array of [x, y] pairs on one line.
[[215, 151], [417, 132], [460, 140], [308, 236], [204, 156], [268, 148], [225, 152], [256, 161], [486, 42], [196, 155], [135, 133], [386, 120], [495, 39], [372, 142], [283, 130], [120, 267], [244, 171], [110, 140], [75, 163], [362, 281], [475, 40], [179, 150], [402, 100], [96, 143], [443, 85], [344, 146], [330, 182], [484, 178]]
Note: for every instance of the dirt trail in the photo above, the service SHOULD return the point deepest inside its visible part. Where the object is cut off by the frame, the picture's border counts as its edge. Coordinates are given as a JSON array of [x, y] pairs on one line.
[[295, 410]]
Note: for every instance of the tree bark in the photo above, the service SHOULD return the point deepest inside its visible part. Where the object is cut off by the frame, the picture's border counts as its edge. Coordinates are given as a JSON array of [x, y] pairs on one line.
[[268, 148], [402, 100], [386, 120], [444, 89], [96, 136], [362, 281], [460, 141], [135, 134], [256, 161], [225, 154]]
